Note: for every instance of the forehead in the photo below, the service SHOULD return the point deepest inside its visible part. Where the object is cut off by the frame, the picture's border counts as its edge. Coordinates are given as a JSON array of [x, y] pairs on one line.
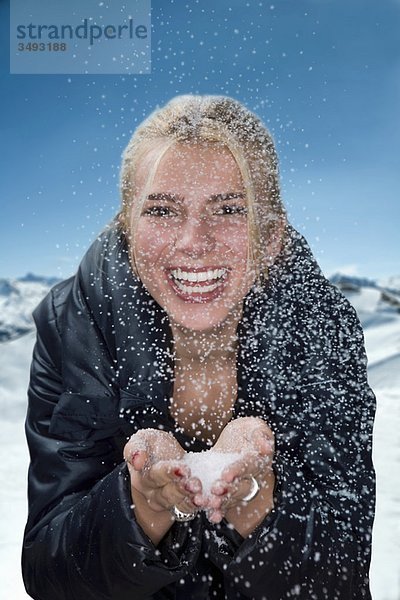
[[205, 165]]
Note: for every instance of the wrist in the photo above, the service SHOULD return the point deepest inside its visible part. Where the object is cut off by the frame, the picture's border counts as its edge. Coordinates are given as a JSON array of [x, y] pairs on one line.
[[246, 516], [154, 523]]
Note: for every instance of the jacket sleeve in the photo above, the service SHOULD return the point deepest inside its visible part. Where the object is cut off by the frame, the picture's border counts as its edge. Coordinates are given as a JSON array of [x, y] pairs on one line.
[[81, 540], [316, 542]]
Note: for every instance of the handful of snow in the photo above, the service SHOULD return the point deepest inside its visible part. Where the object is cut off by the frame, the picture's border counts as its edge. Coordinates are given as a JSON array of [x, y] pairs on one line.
[[208, 466]]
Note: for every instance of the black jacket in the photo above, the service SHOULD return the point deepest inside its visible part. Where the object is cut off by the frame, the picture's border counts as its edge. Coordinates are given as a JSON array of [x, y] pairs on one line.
[[103, 368]]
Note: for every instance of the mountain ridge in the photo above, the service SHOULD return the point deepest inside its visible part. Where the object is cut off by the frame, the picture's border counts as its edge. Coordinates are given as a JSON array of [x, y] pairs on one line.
[[19, 297]]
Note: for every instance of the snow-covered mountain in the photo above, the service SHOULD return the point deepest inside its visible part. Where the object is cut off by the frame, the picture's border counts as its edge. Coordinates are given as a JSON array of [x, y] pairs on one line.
[[387, 291], [18, 298], [378, 307]]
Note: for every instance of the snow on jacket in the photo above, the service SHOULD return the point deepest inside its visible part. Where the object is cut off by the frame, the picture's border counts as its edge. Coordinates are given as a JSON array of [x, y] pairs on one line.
[[103, 368]]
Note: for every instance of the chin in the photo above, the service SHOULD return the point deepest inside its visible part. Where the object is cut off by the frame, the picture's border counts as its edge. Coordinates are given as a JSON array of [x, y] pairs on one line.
[[198, 316], [198, 324], [202, 320]]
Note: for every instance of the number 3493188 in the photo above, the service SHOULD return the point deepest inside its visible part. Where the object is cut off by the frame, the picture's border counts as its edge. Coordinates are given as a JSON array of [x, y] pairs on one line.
[[42, 47]]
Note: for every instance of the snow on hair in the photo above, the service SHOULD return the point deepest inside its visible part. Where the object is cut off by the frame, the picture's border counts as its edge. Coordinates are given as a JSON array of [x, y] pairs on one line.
[[215, 119]]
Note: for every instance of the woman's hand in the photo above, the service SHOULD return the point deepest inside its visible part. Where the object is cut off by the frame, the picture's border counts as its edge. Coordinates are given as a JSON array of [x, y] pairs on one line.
[[159, 480], [255, 440]]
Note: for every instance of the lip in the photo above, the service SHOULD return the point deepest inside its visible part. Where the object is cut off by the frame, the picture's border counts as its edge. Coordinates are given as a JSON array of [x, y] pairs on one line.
[[197, 269], [197, 297]]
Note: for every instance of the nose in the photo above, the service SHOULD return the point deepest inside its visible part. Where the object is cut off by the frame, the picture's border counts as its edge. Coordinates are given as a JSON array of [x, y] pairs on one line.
[[195, 237]]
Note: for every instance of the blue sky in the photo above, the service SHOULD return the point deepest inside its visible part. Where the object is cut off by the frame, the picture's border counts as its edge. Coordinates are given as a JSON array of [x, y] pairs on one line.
[[324, 75]]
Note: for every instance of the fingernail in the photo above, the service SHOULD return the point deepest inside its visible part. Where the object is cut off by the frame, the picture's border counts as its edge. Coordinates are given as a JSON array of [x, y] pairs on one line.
[[197, 501], [134, 455], [214, 517], [192, 488], [222, 492], [178, 472]]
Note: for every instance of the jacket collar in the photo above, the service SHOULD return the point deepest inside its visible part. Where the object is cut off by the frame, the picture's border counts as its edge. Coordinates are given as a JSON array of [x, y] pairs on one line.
[[126, 366]]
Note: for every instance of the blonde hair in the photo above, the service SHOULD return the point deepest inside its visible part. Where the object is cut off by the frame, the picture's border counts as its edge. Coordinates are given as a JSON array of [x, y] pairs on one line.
[[215, 119]]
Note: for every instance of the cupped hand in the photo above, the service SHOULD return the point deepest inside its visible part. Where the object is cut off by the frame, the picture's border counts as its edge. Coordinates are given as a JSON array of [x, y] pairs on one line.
[[157, 472], [253, 438]]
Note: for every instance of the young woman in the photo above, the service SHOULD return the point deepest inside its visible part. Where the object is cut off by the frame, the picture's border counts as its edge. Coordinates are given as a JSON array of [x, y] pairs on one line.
[[199, 320]]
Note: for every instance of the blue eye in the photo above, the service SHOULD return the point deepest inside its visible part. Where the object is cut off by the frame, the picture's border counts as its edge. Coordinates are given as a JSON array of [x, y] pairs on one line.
[[158, 211], [233, 209]]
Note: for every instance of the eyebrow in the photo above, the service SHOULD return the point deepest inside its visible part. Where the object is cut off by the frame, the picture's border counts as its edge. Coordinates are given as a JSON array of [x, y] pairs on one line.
[[164, 197], [167, 197], [227, 196]]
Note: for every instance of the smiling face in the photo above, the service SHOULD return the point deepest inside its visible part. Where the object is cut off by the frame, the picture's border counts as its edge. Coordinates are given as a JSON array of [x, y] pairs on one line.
[[191, 239]]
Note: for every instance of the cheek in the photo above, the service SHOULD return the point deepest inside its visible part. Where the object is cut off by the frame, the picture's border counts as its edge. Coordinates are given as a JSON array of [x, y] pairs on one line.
[[237, 240], [149, 241]]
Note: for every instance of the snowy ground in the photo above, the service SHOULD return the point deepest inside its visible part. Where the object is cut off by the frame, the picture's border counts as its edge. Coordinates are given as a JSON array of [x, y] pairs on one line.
[[382, 334], [382, 339]]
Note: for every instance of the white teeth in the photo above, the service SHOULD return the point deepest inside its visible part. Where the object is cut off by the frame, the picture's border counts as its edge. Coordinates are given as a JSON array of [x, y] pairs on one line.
[[178, 274], [199, 289]]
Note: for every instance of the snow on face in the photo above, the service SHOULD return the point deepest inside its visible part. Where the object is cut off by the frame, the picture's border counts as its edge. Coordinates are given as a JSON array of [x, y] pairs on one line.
[[191, 241]]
